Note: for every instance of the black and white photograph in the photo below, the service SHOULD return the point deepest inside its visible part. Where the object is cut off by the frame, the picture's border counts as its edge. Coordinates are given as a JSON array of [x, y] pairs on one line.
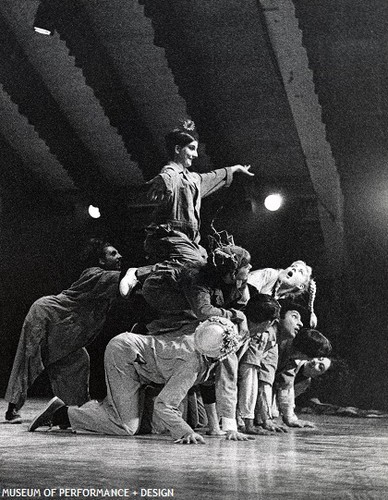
[[193, 249]]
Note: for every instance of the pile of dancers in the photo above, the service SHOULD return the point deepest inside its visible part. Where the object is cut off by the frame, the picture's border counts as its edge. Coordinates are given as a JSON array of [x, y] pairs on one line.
[[237, 343]]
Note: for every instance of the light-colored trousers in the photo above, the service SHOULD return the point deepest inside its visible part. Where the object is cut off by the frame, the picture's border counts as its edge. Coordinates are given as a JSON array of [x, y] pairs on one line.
[[248, 385], [120, 412]]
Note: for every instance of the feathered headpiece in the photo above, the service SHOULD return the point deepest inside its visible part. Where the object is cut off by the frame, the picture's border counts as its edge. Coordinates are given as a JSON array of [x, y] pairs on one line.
[[220, 243], [217, 337]]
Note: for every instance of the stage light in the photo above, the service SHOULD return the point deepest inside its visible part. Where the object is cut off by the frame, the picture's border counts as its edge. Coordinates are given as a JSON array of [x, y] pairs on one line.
[[94, 212], [43, 23], [273, 202]]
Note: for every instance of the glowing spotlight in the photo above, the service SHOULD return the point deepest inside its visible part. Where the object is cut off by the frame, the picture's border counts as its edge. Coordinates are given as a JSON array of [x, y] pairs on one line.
[[94, 212], [273, 202]]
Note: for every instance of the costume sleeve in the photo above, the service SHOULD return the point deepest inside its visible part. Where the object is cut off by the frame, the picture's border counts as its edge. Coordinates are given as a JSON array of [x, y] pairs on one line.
[[108, 285], [215, 180], [285, 392], [167, 402], [286, 402], [199, 298], [268, 366], [170, 178], [302, 386], [263, 279], [264, 401], [226, 392], [266, 377], [286, 377], [257, 349]]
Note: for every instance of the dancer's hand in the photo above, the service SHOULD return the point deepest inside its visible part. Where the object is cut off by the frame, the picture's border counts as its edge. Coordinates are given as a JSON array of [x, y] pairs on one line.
[[190, 438], [271, 426], [243, 169], [237, 436]]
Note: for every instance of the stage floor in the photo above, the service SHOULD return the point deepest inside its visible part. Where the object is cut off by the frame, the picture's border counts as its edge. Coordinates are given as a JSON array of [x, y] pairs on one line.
[[343, 458]]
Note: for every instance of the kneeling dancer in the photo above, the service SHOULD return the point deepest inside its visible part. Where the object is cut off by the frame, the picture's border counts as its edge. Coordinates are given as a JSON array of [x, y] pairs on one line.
[[132, 361]]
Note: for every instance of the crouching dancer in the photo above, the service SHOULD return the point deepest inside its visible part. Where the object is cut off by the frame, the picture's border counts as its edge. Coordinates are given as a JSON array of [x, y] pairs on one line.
[[58, 327], [132, 361]]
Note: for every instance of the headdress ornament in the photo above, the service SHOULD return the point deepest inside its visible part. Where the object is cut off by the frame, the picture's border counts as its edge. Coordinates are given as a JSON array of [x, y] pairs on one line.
[[220, 243], [188, 125], [217, 337]]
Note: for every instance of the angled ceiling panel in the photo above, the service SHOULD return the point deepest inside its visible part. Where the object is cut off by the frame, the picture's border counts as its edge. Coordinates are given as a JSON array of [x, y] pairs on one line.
[[50, 58], [128, 37], [32, 150]]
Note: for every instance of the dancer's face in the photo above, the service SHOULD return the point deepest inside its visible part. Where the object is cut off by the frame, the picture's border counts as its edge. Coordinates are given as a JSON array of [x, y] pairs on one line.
[[290, 324], [315, 367], [186, 154], [111, 260], [295, 276]]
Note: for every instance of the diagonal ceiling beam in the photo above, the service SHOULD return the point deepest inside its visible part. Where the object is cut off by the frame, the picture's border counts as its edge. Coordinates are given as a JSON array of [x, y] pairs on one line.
[[76, 28], [28, 91], [286, 38]]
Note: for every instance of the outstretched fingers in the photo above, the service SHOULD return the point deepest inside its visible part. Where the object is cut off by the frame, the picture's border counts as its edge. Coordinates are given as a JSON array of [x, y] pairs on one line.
[[191, 438]]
